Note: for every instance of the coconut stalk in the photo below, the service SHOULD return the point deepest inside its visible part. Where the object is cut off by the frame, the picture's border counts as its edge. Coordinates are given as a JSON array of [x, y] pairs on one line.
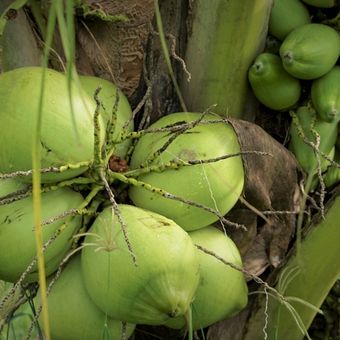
[[305, 281], [223, 40]]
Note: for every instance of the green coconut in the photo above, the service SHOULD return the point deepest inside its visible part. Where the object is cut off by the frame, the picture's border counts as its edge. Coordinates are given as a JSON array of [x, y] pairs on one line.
[[304, 153], [325, 94], [310, 51], [271, 84], [222, 291], [332, 175], [163, 282], [17, 239], [73, 315], [107, 97], [216, 185], [66, 134], [287, 15], [9, 187]]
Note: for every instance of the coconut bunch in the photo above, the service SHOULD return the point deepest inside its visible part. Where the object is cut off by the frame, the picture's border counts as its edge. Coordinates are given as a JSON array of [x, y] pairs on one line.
[[299, 73], [155, 258]]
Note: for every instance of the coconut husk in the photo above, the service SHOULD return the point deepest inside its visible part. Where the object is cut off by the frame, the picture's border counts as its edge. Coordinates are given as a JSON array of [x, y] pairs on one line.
[[270, 199]]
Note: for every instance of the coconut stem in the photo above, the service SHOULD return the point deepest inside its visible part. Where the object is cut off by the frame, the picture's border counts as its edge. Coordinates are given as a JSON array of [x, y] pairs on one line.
[[188, 319], [288, 57], [258, 67]]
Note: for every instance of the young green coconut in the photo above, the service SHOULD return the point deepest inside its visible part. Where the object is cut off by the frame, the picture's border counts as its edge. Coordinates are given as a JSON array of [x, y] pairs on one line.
[[325, 95], [222, 291], [271, 84], [73, 315], [67, 122], [216, 184], [61, 142], [307, 121], [310, 51], [287, 15], [17, 240], [162, 281], [332, 175]]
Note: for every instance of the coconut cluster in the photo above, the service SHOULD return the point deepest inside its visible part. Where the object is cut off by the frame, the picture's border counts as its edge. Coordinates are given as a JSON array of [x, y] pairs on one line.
[[299, 73], [156, 259]]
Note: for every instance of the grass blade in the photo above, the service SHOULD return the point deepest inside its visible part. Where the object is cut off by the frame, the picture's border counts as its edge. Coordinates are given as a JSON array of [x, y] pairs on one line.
[[36, 166], [167, 56]]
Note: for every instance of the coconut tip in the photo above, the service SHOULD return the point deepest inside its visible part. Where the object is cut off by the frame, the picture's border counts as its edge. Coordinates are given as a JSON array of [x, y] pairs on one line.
[[287, 57]]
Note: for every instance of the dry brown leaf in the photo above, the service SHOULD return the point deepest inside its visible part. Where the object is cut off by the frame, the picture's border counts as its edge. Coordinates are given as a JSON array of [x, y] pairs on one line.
[[271, 186]]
